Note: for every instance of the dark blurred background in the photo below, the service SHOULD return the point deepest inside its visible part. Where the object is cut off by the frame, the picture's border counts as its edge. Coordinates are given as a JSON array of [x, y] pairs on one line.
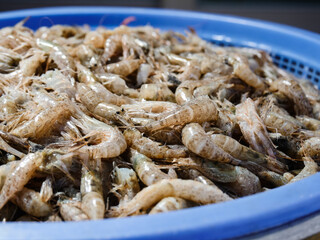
[[304, 14]]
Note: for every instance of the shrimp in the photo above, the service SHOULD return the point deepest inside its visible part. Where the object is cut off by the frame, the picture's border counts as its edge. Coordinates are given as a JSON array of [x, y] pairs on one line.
[[309, 122], [5, 170], [310, 168], [59, 83], [44, 122], [293, 91], [92, 195], [9, 60], [144, 71], [310, 148], [126, 184], [147, 170], [71, 211], [115, 84], [20, 175], [93, 94], [85, 75], [124, 67], [186, 189], [242, 70], [112, 46], [277, 119], [28, 66], [106, 141], [198, 110], [94, 39], [46, 191], [253, 129], [150, 148], [198, 142], [169, 204], [30, 202], [244, 153], [275, 179], [194, 174], [156, 92], [59, 55], [191, 71]]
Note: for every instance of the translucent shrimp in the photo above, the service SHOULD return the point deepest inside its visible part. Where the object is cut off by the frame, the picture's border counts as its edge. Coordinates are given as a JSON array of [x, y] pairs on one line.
[[253, 129], [46, 191], [309, 122], [124, 67], [199, 110], [169, 204], [59, 83], [156, 92], [71, 211], [105, 140], [191, 71], [44, 122], [186, 189], [126, 184], [59, 55], [147, 170], [292, 90], [93, 94], [84, 74], [277, 119], [144, 71], [20, 175], [151, 148], [242, 70], [28, 66], [310, 148], [94, 39], [115, 84], [198, 142], [310, 168], [241, 152], [30, 202], [92, 196], [112, 46]]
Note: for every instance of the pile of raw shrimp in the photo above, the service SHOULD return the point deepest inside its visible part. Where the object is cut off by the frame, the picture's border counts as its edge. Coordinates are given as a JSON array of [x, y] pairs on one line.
[[112, 123]]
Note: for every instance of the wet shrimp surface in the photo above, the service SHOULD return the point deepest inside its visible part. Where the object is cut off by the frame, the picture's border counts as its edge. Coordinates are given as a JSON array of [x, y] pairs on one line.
[[112, 123]]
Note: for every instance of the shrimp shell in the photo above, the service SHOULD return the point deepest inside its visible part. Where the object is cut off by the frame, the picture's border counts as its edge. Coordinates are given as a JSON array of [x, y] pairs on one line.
[[186, 189], [169, 204], [310, 168]]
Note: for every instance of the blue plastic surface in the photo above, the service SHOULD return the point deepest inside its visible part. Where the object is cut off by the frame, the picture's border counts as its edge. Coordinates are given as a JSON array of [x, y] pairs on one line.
[[294, 49]]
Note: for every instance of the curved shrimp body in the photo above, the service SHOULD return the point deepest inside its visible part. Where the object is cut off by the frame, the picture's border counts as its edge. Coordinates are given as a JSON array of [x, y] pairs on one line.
[[20, 175], [107, 141], [112, 46], [147, 170], [241, 152], [292, 90], [191, 72], [59, 83], [199, 110], [92, 195], [30, 201], [186, 189], [71, 211], [310, 148], [29, 65], [93, 94], [58, 54], [310, 168], [156, 92], [45, 122], [277, 119], [198, 142], [242, 70], [85, 75], [309, 122], [124, 67], [169, 204], [150, 148], [253, 129]]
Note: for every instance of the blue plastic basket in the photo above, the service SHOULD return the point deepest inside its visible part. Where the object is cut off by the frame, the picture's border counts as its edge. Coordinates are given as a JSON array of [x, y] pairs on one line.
[[293, 49]]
